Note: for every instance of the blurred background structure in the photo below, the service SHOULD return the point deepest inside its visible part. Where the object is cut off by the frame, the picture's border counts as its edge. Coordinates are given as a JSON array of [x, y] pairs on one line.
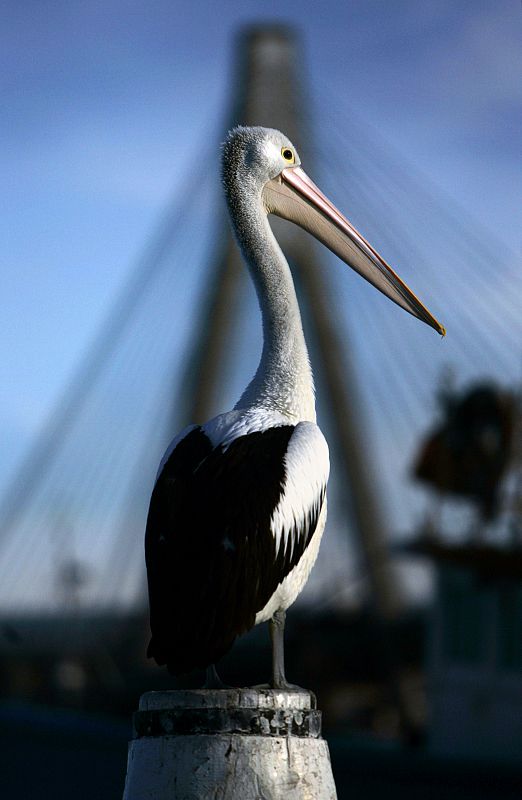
[[409, 629]]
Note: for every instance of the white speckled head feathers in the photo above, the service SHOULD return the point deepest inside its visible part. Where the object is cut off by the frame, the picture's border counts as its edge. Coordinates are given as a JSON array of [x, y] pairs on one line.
[[254, 155]]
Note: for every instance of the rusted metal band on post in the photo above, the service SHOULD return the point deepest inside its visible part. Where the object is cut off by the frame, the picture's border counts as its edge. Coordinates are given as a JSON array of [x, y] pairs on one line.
[[245, 721]]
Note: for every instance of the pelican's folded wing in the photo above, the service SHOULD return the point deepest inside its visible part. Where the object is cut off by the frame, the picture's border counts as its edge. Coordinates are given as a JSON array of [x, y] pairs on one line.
[[226, 524]]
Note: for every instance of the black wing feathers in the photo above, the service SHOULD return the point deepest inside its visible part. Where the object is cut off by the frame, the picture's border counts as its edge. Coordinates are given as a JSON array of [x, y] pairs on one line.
[[210, 553]]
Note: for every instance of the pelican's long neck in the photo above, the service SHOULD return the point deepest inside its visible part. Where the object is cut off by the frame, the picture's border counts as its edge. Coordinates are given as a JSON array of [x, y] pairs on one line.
[[283, 380]]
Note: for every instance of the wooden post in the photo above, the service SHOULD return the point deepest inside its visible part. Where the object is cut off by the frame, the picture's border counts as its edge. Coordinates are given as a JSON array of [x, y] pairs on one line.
[[228, 744]]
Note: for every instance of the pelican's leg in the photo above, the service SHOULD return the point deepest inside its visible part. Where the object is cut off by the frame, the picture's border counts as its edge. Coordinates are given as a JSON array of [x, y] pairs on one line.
[[213, 681], [276, 627], [277, 635]]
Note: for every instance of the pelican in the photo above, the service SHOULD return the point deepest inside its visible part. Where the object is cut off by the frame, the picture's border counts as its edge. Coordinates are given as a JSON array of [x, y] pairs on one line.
[[239, 505]]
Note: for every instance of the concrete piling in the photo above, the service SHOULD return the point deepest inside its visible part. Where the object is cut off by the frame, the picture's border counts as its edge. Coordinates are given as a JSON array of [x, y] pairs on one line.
[[228, 744]]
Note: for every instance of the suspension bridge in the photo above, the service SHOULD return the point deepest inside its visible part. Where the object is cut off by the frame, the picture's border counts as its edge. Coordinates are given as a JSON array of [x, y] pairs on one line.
[[73, 514]]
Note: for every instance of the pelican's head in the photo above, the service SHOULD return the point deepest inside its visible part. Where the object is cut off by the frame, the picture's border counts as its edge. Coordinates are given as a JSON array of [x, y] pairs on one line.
[[263, 163], [254, 156]]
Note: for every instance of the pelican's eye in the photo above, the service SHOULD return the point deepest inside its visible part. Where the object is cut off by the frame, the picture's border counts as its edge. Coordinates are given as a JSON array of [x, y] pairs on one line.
[[288, 155]]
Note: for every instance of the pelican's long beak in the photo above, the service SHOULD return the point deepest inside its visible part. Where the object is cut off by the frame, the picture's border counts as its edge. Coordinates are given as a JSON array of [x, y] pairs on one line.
[[293, 196]]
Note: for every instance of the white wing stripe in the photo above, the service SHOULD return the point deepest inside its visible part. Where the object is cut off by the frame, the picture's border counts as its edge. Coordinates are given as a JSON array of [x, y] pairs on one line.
[[307, 468]]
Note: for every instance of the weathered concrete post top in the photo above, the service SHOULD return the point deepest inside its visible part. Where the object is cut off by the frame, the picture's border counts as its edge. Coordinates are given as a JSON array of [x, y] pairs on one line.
[[228, 744]]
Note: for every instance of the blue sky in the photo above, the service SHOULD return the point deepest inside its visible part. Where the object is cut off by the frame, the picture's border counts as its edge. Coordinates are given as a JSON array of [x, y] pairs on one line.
[[106, 104]]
